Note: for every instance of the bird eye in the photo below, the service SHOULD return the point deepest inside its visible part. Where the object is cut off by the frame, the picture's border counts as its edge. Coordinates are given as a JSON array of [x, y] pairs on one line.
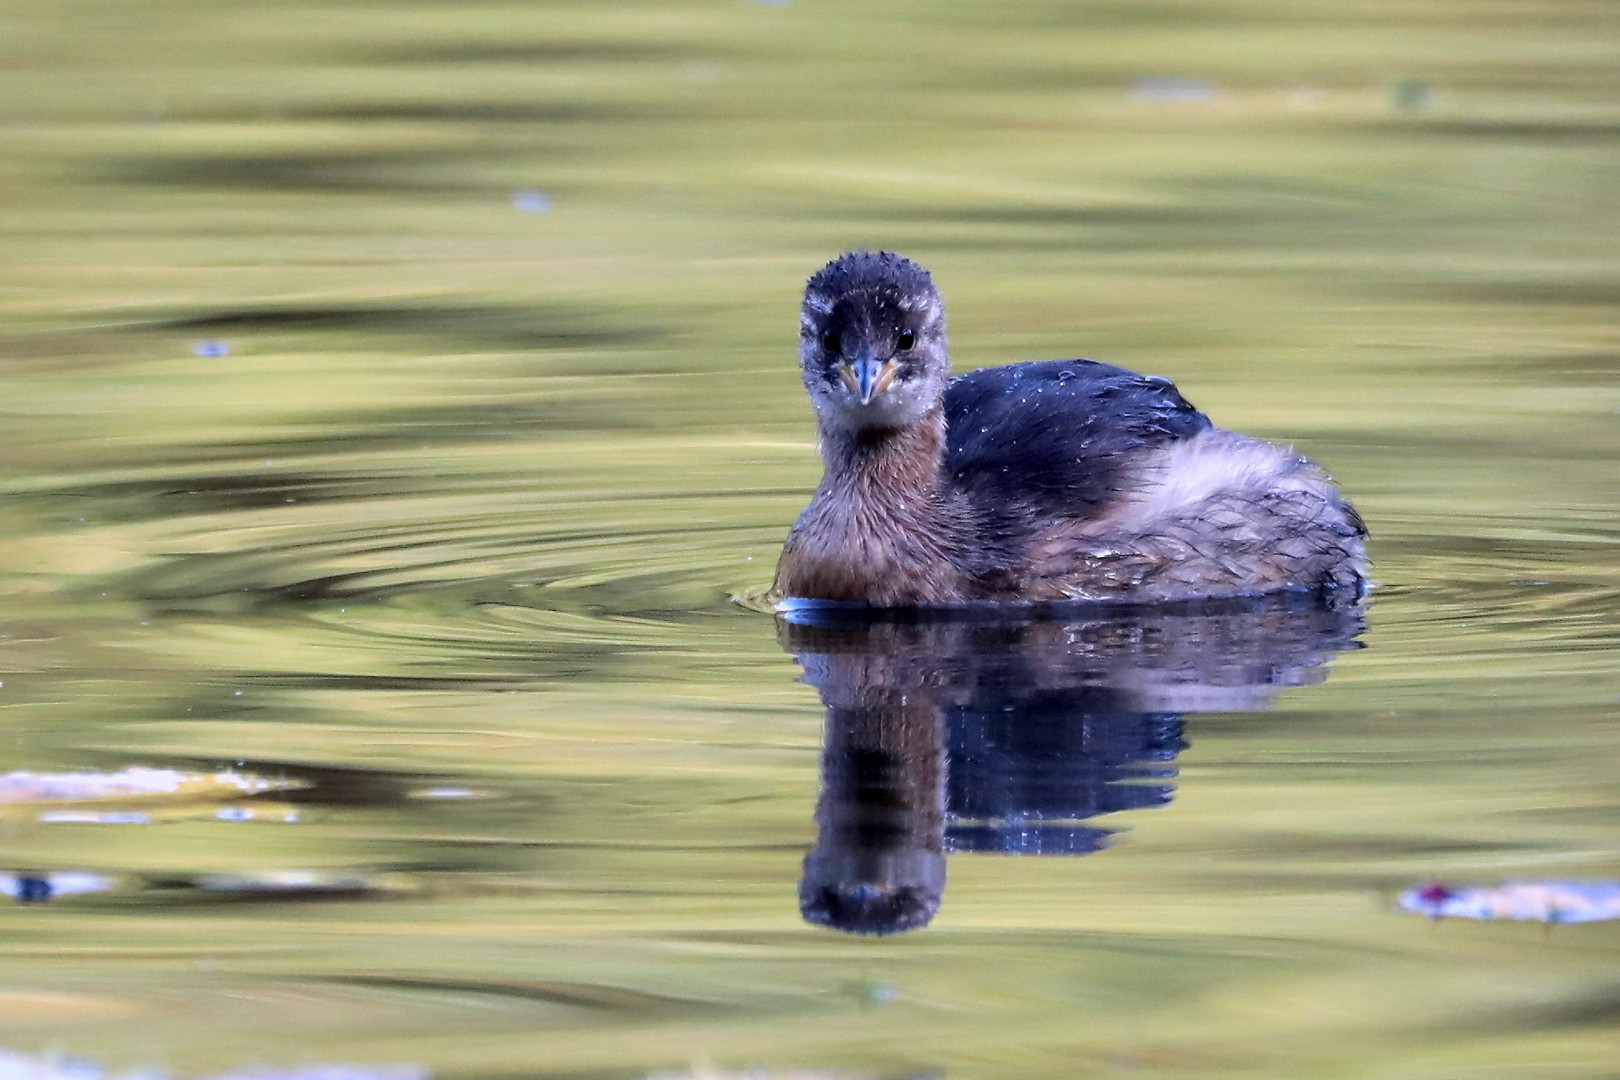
[[829, 340], [905, 341]]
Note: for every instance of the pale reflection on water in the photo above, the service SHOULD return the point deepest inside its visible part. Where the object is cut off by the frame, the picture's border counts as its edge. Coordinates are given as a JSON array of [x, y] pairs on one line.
[[16, 1066]]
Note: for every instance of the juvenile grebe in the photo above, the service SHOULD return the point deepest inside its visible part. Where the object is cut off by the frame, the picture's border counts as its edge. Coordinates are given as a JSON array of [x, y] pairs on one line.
[[1056, 480]]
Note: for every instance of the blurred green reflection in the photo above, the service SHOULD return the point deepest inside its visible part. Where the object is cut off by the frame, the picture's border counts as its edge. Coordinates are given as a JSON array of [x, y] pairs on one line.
[[395, 393]]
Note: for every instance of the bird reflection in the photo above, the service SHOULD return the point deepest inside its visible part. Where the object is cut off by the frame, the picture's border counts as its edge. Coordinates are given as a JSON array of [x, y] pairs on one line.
[[1010, 734]]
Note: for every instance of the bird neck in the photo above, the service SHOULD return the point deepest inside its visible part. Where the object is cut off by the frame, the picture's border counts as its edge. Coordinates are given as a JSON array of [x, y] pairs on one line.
[[877, 530], [899, 468]]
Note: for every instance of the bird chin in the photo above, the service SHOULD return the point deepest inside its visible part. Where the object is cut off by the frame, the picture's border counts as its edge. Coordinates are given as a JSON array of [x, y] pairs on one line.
[[883, 413], [896, 408]]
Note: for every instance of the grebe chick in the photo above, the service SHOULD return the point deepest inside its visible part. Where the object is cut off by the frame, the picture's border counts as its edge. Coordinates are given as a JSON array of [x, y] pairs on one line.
[[1056, 480]]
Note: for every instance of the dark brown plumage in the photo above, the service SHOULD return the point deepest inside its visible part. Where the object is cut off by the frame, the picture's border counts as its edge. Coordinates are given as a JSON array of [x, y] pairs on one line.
[[1060, 480]]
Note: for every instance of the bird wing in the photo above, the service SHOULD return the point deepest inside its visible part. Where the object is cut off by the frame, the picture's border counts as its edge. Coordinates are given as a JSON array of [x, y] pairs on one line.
[[1053, 438]]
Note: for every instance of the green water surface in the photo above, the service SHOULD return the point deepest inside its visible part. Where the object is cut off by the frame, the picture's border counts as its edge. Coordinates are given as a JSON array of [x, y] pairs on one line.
[[393, 396]]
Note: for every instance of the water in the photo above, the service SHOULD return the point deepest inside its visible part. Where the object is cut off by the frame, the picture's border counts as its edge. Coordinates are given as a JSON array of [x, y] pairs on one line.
[[396, 396]]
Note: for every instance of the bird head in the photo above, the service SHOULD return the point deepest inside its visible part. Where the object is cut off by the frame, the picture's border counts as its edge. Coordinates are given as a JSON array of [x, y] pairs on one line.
[[872, 343]]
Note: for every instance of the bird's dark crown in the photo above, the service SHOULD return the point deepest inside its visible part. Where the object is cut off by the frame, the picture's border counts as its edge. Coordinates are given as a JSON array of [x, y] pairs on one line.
[[866, 291], [874, 272]]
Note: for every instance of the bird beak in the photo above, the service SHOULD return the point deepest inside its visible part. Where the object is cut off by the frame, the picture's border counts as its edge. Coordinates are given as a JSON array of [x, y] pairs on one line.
[[867, 376]]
